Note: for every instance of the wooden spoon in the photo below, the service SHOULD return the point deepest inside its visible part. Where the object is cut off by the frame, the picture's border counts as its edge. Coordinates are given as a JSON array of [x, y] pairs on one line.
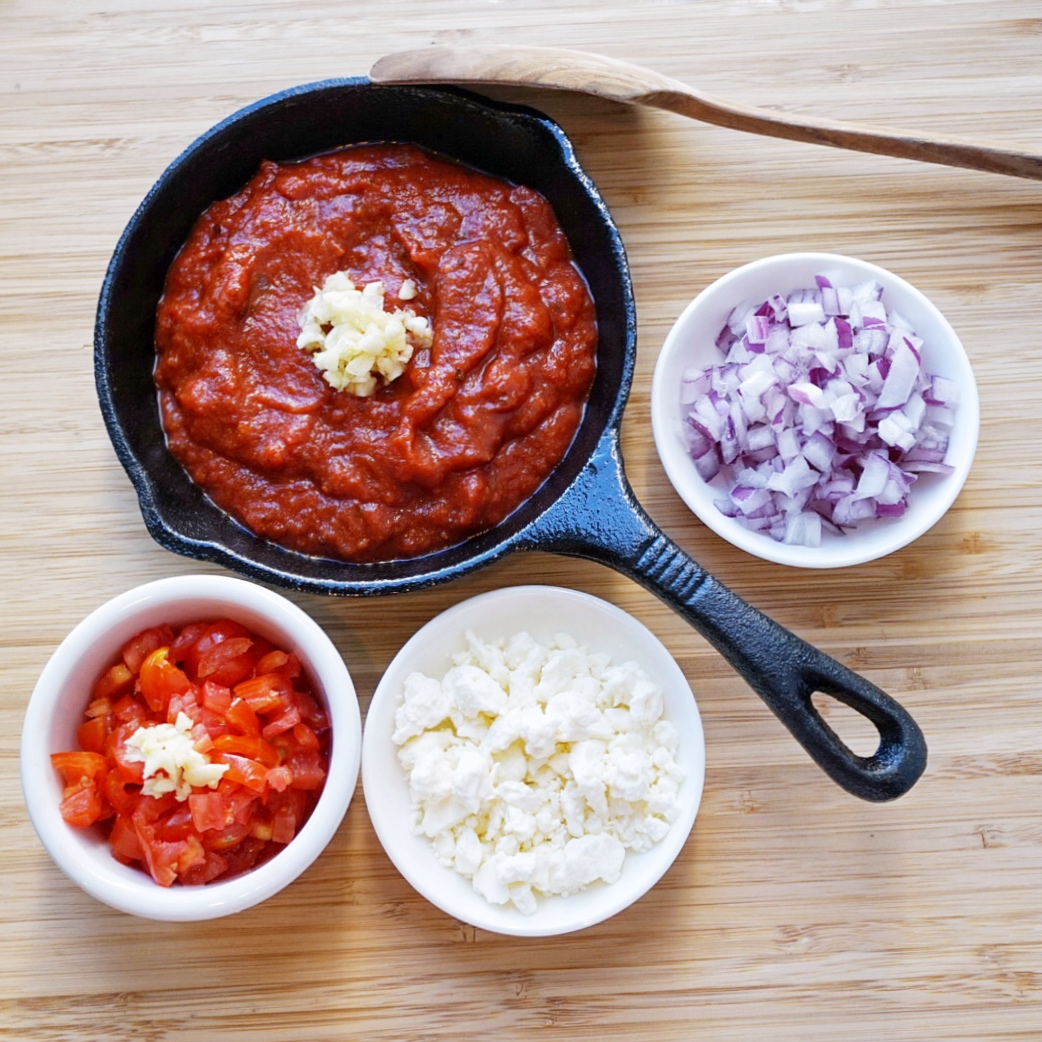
[[564, 69]]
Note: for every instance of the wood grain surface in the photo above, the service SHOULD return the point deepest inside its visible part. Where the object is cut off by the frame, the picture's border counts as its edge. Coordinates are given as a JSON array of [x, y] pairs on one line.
[[795, 912]]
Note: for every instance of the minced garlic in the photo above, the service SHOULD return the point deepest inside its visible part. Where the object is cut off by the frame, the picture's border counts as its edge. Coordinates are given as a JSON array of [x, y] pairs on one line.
[[172, 763], [354, 340]]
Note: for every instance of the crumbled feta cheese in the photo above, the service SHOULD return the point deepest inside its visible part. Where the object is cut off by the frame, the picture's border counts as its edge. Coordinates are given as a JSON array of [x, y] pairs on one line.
[[353, 340], [172, 763], [534, 767]]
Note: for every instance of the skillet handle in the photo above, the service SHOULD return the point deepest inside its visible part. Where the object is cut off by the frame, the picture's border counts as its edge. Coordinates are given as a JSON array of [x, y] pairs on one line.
[[593, 521]]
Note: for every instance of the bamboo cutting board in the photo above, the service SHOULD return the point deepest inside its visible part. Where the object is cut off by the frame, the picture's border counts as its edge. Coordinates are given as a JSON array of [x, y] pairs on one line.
[[795, 912]]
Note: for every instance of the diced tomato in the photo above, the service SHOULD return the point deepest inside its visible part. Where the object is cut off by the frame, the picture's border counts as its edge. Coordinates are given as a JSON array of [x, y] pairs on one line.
[[226, 839], [123, 758], [209, 811], [252, 747], [309, 772], [305, 737], [83, 795], [124, 841], [149, 809], [212, 867], [183, 702], [207, 659], [311, 712], [280, 778], [250, 708], [283, 827], [159, 679], [82, 805], [181, 645], [230, 661], [267, 693], [130, 709], [273, 662], [216, 697], [289, 810], [285, 663], [114, 682], [138, 648], [242, 770], [286, 720], [176, 824], [247, 853], [167, 858], [123, 802], [242, 718], [79, 766], [91, 734]]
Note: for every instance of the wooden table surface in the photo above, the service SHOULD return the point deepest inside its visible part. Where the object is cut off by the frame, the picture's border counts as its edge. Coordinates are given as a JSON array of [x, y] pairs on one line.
[[795, 912]]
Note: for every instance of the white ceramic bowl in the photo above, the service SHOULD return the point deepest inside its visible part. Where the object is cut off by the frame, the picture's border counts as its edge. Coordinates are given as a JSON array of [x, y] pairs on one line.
[[61, 694], [691, 342], [543, 612]]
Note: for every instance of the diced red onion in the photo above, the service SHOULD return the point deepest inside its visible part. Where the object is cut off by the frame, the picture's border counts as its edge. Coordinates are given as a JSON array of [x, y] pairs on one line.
[[820, 416]]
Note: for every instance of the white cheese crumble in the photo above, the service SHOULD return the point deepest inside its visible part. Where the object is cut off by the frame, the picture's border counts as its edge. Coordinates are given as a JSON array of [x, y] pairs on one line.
[[534, 767], [172, 763], [354, 340]]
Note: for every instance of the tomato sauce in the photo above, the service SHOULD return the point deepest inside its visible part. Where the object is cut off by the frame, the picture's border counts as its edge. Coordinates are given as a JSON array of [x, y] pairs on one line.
[[448, 449]]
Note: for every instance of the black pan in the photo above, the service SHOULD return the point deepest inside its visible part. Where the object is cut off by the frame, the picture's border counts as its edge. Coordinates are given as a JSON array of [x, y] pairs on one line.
[[586, 507]]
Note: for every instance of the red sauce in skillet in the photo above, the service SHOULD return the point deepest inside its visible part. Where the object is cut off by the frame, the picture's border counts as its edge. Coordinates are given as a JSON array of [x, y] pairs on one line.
[[445, 451]]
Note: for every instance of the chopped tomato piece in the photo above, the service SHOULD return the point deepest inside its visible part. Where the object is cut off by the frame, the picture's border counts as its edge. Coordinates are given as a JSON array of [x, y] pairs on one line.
[[181, 645], [267, 693], [123, 802], [242, 718], [124, 841], [305, 737], [123, 758], [130, 709], [245, 854], [242, 770], [206, 658], [138, 648], [160, 679], [230, 659], [248, 746], [284, 721], [82, 805], [79, 766], [311, 712], [209, 811], [308, 770], [91, 734], [284, 663], [280, 778], [212, 867], [114, 682], [226, 839], [216, 697]]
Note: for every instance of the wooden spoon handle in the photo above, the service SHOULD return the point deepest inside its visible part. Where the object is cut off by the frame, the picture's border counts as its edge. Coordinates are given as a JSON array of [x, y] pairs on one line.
[[885, 141], [565, 69]]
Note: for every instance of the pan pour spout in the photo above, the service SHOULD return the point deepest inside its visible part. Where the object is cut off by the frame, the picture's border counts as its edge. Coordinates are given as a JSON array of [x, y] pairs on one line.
[[599, 518]]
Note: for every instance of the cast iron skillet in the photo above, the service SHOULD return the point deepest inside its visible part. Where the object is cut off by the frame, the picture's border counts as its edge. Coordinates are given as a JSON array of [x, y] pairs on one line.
[[586, 507]]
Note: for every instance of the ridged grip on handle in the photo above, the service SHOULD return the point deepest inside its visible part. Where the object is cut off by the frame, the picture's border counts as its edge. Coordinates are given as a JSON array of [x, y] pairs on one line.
[[600, 519]]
